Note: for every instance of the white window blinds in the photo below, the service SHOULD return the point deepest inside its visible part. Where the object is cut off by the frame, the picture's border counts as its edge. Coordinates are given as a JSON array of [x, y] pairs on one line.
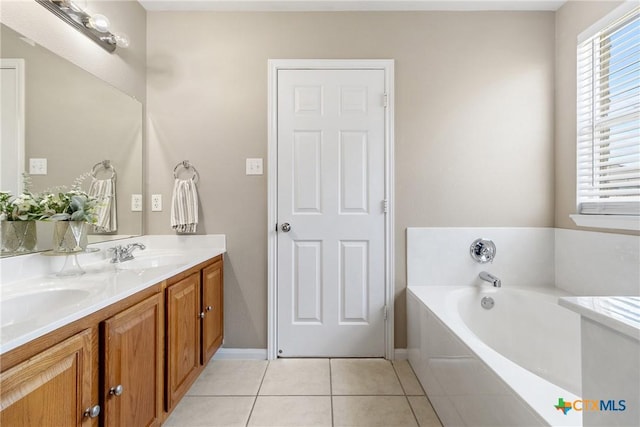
[[608, 158]]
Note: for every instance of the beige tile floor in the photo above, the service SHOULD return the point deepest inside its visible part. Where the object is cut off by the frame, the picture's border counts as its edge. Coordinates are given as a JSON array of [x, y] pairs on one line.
[[305, 393]]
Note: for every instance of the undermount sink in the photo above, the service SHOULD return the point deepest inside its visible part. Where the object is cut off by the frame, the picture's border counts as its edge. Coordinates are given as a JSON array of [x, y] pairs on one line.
[[25, 307], [146, 261]]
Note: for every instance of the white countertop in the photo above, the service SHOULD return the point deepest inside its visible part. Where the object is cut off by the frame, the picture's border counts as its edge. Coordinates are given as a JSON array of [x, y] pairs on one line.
[[102, 284], [621, 314]]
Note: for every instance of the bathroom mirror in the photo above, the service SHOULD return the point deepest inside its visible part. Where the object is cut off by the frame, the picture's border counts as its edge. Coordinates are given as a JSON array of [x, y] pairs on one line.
[[75, 121]]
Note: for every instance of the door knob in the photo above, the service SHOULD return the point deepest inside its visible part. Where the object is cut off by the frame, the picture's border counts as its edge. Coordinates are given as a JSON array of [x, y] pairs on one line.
[[117, 390], [286, 227], [209, 308]]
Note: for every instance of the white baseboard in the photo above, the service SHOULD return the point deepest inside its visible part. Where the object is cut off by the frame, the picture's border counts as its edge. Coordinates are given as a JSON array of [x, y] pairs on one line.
[[261, 354], [401, 354], [241, 354]]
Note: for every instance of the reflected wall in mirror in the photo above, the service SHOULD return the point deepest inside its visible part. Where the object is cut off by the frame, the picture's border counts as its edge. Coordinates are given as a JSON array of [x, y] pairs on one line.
[[75, 121]]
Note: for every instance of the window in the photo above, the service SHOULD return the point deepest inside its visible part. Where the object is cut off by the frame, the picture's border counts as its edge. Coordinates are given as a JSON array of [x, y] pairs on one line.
[[608, 134]]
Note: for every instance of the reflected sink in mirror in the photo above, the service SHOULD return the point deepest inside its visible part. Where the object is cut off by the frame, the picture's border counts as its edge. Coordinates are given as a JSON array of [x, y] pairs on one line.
[[27, 307]]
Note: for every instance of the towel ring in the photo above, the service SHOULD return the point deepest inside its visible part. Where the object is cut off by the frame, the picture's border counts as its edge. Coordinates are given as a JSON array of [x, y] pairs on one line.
[[188, 166], [107, 166]]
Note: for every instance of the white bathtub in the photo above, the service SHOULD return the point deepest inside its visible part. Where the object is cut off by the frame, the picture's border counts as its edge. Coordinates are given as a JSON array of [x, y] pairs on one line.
[[506, 366]]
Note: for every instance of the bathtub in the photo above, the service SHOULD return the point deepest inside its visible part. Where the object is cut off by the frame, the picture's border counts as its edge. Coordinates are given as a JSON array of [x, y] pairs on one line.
[[504, 366]]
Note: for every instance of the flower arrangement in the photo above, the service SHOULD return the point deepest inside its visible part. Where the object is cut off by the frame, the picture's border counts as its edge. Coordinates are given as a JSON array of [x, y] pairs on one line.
[[72, 205], [55, 205], [25, 207]]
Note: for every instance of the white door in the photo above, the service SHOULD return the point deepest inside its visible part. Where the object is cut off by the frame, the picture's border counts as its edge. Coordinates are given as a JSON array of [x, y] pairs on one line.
[[12, 129], [330, 198]]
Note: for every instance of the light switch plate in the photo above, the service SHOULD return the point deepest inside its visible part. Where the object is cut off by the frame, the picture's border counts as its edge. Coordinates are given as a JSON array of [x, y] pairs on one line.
[[156, 202], [254, 167], [37, 166], [136, 203]]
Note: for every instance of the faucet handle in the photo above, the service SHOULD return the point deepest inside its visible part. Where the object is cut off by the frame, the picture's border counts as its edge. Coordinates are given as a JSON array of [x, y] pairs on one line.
[[132, 246], [483, 250], [115, 252]]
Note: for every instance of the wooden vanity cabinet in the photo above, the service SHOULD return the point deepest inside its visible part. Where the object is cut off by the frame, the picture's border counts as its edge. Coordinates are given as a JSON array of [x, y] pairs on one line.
[[213, 320], [53, 388], [182, 336], [194, 331], [132, 365], [153, 344]]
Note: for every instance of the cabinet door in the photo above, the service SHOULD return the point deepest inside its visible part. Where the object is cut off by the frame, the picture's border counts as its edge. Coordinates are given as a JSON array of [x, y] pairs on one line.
[[212, 298], [51, 389], [183, 336], [133, 365]]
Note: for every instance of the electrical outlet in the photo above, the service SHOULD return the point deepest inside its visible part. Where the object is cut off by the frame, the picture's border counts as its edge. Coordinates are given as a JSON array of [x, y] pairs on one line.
[[156, 202], [254, 167], [136, 203], [37, 166]]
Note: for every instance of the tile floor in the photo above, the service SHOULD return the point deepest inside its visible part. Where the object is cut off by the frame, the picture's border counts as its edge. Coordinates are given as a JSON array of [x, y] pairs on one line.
[[305, 393]]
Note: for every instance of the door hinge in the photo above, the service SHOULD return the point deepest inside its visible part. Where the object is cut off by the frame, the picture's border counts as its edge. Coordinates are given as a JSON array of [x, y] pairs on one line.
[[386, 312], [385, 100], [385, 206]]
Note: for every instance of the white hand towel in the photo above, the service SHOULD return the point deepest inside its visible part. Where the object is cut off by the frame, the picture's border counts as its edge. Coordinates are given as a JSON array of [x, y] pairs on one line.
[[184, 206], [105, 191]]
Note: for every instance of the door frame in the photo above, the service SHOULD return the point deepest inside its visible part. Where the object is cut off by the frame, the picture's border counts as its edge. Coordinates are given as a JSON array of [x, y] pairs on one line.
[[274, 65], [18, 64]]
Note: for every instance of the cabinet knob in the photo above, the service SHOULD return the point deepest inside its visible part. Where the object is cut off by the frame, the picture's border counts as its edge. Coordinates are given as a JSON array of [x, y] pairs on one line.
[[92, 412], [202, 315], [209, 308], [117, 390]]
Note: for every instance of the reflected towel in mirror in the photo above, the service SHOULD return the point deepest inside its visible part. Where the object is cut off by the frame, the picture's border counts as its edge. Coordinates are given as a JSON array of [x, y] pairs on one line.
[[105, 191]]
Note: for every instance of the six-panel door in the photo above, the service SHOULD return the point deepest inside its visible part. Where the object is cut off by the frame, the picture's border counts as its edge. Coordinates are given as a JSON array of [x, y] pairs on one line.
[[331, 251]]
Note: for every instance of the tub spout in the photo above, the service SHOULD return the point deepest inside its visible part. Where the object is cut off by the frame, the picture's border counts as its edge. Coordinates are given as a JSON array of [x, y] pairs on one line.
[[488, 277]]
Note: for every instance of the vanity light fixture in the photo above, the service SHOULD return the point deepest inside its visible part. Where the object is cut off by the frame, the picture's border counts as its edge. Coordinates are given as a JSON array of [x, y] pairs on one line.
[[94, 26]]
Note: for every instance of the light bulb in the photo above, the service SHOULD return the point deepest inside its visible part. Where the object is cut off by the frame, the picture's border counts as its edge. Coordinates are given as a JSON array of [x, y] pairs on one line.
[[99, 23], [121, 39]]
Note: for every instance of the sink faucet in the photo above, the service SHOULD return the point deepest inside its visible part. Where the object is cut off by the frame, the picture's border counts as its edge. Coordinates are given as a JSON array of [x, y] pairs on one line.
[[488, 277], [124, 253]]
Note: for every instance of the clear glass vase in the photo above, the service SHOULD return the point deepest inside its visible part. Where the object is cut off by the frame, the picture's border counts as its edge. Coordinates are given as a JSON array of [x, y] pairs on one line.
[[18, 236], [70, 236]]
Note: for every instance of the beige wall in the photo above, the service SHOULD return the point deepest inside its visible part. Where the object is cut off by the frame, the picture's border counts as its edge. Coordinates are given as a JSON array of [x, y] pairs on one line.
[[125, 69], [474, 124], [571, 19]]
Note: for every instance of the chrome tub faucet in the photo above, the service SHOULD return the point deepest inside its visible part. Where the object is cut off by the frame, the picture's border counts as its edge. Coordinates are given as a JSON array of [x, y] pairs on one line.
[[488, 277]]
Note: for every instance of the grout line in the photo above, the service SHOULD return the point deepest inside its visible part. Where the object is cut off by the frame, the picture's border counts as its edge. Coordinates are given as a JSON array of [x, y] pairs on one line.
[[424, 392], [264, 374], [415, 417], [393, 366], [331, 394], [425, 395]]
